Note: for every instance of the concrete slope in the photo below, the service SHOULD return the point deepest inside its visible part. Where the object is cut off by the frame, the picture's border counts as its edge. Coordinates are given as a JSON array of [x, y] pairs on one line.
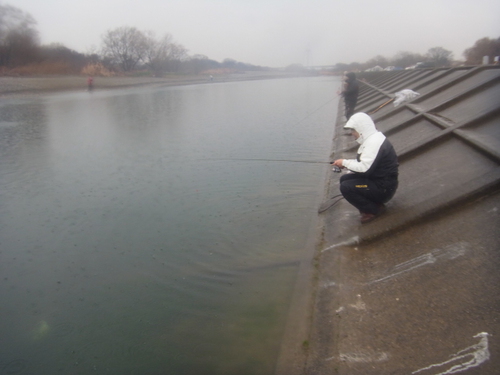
[[417, 291]]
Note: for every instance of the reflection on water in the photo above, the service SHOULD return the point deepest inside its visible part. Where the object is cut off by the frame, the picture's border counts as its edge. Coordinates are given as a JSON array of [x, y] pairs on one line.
[[154, 231]]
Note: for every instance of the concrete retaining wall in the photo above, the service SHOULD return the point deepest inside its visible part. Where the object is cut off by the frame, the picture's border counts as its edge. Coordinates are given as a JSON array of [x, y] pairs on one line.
[[417, 291]]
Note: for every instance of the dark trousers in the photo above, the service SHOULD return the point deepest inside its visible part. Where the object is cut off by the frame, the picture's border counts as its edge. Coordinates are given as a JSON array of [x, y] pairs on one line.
[[364, 194], [350, 105]]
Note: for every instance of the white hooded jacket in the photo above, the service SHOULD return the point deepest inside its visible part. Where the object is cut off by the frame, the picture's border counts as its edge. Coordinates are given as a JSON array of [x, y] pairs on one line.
[[370, 140]]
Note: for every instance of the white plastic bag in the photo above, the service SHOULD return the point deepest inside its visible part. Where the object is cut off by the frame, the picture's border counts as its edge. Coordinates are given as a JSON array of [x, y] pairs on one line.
[[404, 96]]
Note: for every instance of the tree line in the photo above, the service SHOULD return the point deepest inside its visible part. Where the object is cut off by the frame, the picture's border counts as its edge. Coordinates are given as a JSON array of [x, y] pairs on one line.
[[124, 49], [437, 56], [127, 49]]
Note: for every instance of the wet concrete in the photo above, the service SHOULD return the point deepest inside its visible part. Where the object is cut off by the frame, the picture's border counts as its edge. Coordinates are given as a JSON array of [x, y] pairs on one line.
[[412, 299], [417, 290]]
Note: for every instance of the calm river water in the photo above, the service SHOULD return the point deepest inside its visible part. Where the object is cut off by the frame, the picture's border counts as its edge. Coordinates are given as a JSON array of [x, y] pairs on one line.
[[157, 230]]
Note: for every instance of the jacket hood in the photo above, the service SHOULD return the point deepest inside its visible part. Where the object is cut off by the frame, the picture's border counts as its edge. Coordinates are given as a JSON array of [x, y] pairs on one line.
[[363, 124]]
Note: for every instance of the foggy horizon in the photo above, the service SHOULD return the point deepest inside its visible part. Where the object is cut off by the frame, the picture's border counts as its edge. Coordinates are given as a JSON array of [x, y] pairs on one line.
[[275, 33]]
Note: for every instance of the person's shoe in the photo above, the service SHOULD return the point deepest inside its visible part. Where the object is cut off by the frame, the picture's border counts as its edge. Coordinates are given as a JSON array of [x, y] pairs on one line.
[[366, 218], [381, 209]]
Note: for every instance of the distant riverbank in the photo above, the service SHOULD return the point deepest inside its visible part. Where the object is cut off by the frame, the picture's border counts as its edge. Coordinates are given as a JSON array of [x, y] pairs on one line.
[[43, 84]]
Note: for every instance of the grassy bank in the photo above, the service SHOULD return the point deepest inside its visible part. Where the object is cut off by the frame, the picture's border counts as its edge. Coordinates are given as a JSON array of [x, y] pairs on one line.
[[42, 84]]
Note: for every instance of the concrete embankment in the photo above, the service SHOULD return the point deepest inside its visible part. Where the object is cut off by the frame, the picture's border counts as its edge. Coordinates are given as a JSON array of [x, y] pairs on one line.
[[417, 291]]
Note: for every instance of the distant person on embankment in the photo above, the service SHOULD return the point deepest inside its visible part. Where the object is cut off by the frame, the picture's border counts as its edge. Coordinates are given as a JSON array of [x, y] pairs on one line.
[[90, 83], [350, 94], [374, 177]]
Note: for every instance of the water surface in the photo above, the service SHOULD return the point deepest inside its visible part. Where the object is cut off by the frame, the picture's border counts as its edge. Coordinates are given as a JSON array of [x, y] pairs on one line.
[[157, 230]]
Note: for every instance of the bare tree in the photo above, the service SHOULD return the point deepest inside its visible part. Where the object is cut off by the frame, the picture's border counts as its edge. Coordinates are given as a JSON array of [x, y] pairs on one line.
[[18, 37], [439, 56], [125, 46], [199, 63], [177, 54], [58, 53], [163, 55], [404, 59], [156, 53], [482, 47], [231, 63]]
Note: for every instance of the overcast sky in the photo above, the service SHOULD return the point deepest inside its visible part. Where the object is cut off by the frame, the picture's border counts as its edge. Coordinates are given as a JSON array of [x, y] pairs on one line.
[[275, 33]]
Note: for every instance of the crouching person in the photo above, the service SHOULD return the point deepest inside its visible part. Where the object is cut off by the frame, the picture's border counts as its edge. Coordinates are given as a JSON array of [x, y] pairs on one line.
[[374, 177]]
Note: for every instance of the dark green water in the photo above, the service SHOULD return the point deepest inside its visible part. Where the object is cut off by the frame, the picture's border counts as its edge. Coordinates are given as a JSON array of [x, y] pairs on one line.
[[157, 230]]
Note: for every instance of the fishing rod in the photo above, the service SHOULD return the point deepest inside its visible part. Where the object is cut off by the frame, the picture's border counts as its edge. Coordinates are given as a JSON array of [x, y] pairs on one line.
[[273, 160], [324, 206], [289, 160]]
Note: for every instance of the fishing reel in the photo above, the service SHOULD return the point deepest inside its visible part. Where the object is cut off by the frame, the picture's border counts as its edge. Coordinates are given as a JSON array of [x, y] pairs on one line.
[[336, 169]]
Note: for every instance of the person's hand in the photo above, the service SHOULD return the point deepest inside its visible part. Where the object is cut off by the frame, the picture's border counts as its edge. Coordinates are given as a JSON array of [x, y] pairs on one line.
[[338, 163]]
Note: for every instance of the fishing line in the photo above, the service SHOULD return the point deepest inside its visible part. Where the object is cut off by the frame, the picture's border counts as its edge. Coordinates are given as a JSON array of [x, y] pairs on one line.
[[286, 160], [316, 110], [336, 196], [325, 206]]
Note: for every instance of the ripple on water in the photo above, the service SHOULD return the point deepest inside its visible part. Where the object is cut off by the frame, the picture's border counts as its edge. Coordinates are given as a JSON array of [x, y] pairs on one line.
[[63, 329], [17, 366], [160, 249]]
